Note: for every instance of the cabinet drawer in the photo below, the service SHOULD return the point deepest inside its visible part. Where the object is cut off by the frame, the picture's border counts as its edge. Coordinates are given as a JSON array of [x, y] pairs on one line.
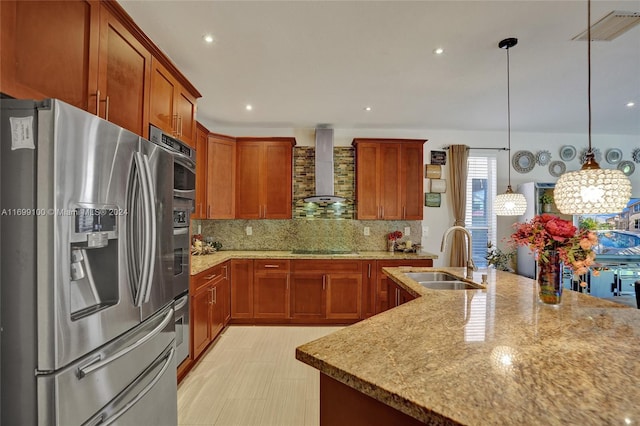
[[205, 277], [271, 265], [327, 265]]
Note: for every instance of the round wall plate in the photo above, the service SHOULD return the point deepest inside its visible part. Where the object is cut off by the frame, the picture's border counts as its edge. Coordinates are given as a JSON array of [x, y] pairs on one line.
[[597, 155], [636, 155], [626, 167], [523, 161], [613, 156], [557, 168], [543, 158], [567, 153]]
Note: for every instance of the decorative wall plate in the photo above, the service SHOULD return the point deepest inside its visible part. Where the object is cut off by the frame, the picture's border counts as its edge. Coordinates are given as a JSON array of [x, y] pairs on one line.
[[523, 161], [636, 155], [626, 167], [543, 158], [557, 168], [567, 153], [597, 155], [613, 156]]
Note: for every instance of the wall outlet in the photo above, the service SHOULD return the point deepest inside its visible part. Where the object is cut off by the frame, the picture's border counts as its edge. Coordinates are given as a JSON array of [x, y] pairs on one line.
[[407, 231], [367, 231], [425, 231], [248, 230]]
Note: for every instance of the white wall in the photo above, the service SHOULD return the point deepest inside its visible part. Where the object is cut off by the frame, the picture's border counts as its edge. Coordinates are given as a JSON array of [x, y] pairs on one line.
[[437, 220]]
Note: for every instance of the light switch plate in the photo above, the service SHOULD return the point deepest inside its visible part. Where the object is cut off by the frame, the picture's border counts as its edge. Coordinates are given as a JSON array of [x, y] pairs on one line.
[[407, 231], [248, 230], [367, 231]]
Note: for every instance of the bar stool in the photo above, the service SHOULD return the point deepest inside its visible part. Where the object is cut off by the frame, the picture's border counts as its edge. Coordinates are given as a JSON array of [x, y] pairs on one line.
[[636, 286]]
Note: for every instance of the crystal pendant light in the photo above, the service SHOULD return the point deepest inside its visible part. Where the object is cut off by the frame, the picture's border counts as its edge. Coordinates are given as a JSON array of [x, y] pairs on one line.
[[592, 190], [510, 203]]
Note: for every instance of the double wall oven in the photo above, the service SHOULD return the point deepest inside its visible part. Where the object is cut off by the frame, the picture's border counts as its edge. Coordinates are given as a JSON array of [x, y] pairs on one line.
[[184, 181]]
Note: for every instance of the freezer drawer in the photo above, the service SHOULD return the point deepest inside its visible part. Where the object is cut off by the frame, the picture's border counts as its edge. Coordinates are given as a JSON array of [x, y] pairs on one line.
[[95, 388]]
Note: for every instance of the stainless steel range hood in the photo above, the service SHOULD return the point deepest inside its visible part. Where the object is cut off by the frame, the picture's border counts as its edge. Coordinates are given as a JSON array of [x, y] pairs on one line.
[[324, 169]]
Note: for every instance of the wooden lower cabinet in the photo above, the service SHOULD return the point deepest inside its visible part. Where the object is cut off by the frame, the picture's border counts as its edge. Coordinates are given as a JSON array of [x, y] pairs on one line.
[[397, 295], [382, 298], [271, 289], [326, 289], [210, 306], [368, 288], [241, 289]]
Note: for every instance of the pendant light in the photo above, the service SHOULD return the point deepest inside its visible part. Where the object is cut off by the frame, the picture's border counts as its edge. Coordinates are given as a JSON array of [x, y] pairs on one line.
[[592, 190], [510, 203]]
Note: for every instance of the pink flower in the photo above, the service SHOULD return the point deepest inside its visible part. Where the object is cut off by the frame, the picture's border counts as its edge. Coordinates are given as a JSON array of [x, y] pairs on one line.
[[585, 244]]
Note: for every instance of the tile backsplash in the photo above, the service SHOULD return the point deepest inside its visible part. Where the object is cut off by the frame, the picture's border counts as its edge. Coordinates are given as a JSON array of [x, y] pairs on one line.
[[305, 234]]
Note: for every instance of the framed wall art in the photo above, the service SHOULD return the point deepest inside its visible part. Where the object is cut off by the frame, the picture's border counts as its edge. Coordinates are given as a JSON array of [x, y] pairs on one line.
[[439, 157], [432, 199], [433, 171], [438, 185]]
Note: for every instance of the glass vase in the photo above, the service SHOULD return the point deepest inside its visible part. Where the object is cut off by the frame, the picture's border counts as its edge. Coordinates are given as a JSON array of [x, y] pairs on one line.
[[550, 279], [391, 245]]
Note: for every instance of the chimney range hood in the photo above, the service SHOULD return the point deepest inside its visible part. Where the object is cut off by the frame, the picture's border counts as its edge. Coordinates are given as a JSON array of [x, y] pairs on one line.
[[324, 169]]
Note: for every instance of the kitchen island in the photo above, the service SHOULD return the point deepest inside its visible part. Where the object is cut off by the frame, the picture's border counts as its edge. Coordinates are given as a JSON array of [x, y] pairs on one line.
[[491, 356]]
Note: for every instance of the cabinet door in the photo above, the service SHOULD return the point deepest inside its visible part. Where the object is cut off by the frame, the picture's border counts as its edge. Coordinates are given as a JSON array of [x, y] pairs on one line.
[[49, 50], [367, 189], [308, 295], [221, 170], [412, 184], [217, 308], [124, 69], [277, 183], [344, 296], [271, 295], [248, 184], [389, 177], [368, 288], [186, 116], [162, 113], [241, 288], [200, 327], [202, 138]]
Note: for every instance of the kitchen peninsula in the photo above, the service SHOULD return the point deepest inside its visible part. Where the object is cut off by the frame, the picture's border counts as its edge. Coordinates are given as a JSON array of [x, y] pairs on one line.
[[491, 356]]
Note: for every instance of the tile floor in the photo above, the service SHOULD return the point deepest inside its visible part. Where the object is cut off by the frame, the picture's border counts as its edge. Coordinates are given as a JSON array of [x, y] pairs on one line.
[[251, 377]]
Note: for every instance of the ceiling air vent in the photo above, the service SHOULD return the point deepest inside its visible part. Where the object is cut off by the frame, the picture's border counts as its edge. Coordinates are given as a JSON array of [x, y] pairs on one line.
[[611, 26]]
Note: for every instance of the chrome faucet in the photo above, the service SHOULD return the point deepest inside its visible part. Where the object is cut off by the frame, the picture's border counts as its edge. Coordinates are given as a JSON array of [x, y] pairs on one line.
[[470, 265]]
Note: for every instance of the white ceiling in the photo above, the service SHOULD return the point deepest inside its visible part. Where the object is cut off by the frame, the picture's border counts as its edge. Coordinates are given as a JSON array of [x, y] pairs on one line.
[[304, 63]]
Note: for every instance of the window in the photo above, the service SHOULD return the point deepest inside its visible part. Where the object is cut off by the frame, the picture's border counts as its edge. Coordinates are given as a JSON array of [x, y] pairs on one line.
[[479, 217]]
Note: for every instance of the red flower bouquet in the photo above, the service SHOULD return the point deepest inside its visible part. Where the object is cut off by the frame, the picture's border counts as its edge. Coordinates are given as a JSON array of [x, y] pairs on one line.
[[396, 235], [546, 233]]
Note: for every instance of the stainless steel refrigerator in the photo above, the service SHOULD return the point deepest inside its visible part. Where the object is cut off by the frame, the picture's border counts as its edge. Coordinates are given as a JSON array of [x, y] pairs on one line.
[[86, 275]]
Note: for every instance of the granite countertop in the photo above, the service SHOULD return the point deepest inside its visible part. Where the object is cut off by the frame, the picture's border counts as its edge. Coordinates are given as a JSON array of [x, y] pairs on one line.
[[202, 263], [491, 356]]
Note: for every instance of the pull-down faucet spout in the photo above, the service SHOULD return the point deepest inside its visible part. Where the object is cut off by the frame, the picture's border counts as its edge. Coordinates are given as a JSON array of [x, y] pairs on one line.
[[470, 265]]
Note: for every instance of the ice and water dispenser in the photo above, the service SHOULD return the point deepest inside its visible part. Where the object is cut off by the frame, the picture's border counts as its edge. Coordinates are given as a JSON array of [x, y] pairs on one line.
[[94, 260]]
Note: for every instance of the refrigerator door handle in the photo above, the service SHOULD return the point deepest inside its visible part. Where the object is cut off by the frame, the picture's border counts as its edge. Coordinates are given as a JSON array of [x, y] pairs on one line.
[[115, 416], [153, 220], [96, 364], [146, 255]]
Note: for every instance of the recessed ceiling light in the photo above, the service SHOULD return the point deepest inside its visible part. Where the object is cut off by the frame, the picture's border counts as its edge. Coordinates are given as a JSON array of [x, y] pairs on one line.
[[208, 38], [248, 107], [438, 51], [630, 104], [367, 108]]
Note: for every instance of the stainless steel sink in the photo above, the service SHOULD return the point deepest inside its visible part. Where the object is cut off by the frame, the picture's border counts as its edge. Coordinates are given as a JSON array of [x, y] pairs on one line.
[[431, 276], [449, 285]]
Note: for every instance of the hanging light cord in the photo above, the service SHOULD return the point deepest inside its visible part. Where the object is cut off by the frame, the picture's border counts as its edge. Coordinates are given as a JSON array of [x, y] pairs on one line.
[[508, 120], [589, 68]]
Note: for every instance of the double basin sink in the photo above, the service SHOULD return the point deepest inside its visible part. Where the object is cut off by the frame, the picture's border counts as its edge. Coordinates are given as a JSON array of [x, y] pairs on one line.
[[441, 281]]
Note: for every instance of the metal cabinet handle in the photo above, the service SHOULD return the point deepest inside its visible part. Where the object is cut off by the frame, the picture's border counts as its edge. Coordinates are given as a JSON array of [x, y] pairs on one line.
[[98, 103], [324, 282], [179, 125], [225, 272], [106, 114], [210, 277], [404, 212], [271, 266], [215, 295], [369, 270]]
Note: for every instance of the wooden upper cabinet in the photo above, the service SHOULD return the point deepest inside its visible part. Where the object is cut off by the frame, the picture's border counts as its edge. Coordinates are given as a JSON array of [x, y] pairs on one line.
[[221, 176], [50, 50], [202, 139], [264, 181], [171, 108], [124, 70], [389, 179]]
